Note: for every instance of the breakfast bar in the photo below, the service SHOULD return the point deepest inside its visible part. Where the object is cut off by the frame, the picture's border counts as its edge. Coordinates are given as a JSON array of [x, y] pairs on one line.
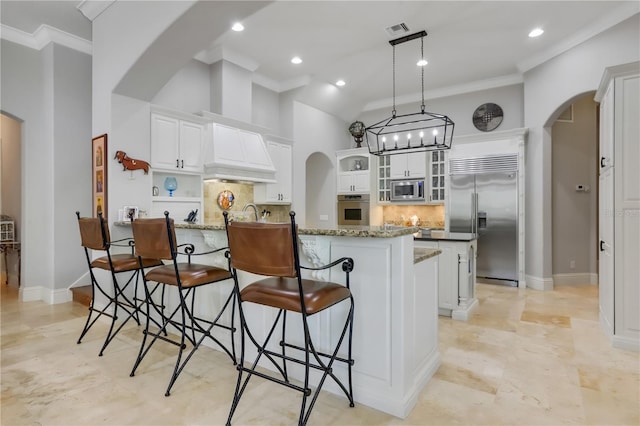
[[395, 287]]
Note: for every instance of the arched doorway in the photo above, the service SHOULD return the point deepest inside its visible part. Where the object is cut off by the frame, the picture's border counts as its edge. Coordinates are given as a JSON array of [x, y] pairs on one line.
[[574, 195], [320, 202]]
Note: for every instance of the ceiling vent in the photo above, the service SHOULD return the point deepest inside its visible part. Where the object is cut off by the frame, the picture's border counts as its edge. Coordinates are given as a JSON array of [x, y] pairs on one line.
[[398, 29]]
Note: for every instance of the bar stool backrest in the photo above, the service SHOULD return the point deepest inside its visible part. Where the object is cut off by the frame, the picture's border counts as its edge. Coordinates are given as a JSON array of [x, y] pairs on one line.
[[94, 233], [155, 238], [263, 248]]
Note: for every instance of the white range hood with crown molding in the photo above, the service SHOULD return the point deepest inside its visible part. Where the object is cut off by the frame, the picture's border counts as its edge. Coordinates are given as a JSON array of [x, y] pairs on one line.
[[237, 154]]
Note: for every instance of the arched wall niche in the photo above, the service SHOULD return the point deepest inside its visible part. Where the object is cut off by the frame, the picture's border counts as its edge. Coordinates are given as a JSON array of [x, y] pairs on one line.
[[320, 189]]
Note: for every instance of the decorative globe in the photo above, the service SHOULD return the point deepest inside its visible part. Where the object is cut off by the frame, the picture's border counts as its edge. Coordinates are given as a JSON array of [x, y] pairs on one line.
[[357, 130], [170, 184]]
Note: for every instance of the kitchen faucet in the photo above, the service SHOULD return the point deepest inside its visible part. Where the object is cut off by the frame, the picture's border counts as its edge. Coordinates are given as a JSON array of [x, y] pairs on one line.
[[255, 209]]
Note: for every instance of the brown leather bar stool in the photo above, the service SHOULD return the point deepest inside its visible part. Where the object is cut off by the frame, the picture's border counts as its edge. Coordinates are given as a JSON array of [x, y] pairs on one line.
[[157, 238], [271, 249], [94, 235]]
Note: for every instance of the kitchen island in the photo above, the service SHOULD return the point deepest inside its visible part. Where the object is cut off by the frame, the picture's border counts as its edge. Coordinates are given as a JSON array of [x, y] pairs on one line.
[[395, 289]]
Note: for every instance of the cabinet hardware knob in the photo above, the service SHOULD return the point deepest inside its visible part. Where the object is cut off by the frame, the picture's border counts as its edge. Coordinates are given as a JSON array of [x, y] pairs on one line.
[[183, 164], [177, 163], [601, 245], [602, 162]]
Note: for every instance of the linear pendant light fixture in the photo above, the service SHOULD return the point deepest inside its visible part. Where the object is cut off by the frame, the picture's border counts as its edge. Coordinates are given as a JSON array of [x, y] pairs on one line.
[[418, 132]]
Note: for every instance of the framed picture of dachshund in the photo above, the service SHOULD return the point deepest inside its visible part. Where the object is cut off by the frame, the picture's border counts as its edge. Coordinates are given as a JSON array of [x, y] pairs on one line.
[[99, 173]]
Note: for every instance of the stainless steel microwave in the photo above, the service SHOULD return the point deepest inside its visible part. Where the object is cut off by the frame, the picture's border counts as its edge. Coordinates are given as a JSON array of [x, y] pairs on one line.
[[407, 190]]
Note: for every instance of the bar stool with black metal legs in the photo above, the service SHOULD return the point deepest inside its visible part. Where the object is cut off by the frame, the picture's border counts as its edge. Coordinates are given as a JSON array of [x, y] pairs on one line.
[[271, 249], [94, 235], [157, 238]]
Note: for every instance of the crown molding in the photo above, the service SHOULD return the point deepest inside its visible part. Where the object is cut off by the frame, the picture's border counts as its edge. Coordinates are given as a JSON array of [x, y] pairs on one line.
[[91, 9], [473, 86], [45, 35], [618, 15]]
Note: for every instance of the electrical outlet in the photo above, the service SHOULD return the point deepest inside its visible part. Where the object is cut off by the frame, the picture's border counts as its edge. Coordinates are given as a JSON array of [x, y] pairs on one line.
[[324, 217], [572, 264]]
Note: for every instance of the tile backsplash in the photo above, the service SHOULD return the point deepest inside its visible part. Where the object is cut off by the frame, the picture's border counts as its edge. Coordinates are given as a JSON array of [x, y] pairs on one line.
[[431, 216], [243, 194]]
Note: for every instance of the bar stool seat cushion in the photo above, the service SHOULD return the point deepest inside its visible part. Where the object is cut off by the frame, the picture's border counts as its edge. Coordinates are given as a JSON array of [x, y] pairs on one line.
[[191, 274], [123, 262], [283, 293]]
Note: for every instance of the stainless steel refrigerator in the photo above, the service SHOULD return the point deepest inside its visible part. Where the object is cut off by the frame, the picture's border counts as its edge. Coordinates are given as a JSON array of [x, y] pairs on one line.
[[484, 201]]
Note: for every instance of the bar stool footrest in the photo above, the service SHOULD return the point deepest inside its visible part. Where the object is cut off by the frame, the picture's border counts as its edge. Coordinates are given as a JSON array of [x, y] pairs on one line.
[[337, 358]]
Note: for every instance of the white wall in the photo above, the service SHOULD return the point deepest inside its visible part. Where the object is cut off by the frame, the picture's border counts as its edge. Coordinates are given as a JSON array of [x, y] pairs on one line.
[[314, 131], [547, 89], [188, 90], [71, 160], [130, 132], [36, 89], [235, 91], [460, 109], [575, 214], [265, 110]]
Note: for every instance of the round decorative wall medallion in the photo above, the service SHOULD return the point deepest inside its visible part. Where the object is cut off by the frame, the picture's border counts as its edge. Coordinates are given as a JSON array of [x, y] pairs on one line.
[[226, 199], [487, 117]]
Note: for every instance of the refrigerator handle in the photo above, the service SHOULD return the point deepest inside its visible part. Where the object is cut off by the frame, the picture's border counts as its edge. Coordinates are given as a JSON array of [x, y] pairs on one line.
[[474, 213]]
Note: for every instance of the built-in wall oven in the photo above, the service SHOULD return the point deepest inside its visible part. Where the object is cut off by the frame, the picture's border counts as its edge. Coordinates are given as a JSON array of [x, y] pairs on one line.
[[353, 209]]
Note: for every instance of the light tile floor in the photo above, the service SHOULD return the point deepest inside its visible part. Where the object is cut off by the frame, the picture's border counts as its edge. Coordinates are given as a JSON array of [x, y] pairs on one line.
[[524, 358]]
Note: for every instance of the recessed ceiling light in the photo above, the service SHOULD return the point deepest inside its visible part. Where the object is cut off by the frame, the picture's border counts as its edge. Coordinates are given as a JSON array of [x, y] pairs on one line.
[[296, 60], [340, 83], [422, 62], [237, 27], [536, 32]]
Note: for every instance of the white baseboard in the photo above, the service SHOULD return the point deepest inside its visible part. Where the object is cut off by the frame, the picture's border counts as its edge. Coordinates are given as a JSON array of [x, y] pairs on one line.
[[51, 297], [30, 294], [537, 283], [62, 295], [626, 343], [463, 312], [584, 278]]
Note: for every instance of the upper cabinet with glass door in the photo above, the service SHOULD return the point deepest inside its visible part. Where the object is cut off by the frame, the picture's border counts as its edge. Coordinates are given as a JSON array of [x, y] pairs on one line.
[[437, 177]]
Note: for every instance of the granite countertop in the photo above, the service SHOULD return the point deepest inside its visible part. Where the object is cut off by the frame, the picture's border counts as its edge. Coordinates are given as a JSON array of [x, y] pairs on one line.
[[338, 231], [420, 254]]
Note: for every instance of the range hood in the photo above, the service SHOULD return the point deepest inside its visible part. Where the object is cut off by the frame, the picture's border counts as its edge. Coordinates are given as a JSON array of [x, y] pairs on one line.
[[237, 154]]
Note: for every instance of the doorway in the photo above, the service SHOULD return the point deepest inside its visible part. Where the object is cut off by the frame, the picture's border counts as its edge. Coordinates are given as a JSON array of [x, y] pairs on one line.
[[11, 190], [575, 193]]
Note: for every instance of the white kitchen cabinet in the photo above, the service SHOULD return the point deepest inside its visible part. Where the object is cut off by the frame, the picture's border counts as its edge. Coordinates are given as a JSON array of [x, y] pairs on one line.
[[280, 191], [411, 166], [384, 179], [436, 180], [619, 189], [354, 175], [176, 144], [456, 276], [353, 183]]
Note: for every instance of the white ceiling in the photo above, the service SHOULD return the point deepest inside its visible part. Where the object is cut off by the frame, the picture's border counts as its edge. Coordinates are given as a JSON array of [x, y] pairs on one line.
[[471, 44]]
